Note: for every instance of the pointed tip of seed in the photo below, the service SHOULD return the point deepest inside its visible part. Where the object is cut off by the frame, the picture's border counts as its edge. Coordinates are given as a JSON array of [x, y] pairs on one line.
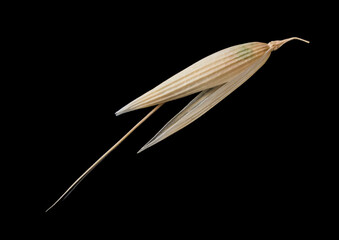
[[147, 145], [143, 148], [118, 113], [121, 111]]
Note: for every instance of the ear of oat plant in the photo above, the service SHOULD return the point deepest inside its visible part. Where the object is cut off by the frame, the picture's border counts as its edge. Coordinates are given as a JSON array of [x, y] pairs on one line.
[[215, 77]]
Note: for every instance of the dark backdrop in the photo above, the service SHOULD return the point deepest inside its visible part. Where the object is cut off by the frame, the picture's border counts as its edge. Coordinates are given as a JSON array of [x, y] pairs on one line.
[[247, 158]]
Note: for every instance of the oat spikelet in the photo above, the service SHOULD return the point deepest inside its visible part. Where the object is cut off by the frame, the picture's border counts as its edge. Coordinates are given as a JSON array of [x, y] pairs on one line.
[[215, 76]]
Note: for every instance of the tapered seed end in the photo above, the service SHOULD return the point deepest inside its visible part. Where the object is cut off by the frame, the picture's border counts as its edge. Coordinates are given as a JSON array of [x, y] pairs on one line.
[[117, 113], [274, 45], [141, 150], [147, 145], [121, 111]]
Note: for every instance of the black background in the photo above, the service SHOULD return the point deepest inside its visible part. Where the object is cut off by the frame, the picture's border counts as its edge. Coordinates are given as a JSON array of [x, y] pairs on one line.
[[245, 162]]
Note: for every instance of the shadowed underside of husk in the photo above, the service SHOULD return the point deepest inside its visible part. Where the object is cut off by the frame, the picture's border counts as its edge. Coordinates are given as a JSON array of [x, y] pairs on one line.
[[203, 102], [256, 56]]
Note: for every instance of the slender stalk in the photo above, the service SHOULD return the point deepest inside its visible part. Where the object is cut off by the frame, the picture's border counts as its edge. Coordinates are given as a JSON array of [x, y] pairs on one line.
[[72, 187]]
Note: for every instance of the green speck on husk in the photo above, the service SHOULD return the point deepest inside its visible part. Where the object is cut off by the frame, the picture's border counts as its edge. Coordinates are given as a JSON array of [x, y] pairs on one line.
[[245, 52]]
